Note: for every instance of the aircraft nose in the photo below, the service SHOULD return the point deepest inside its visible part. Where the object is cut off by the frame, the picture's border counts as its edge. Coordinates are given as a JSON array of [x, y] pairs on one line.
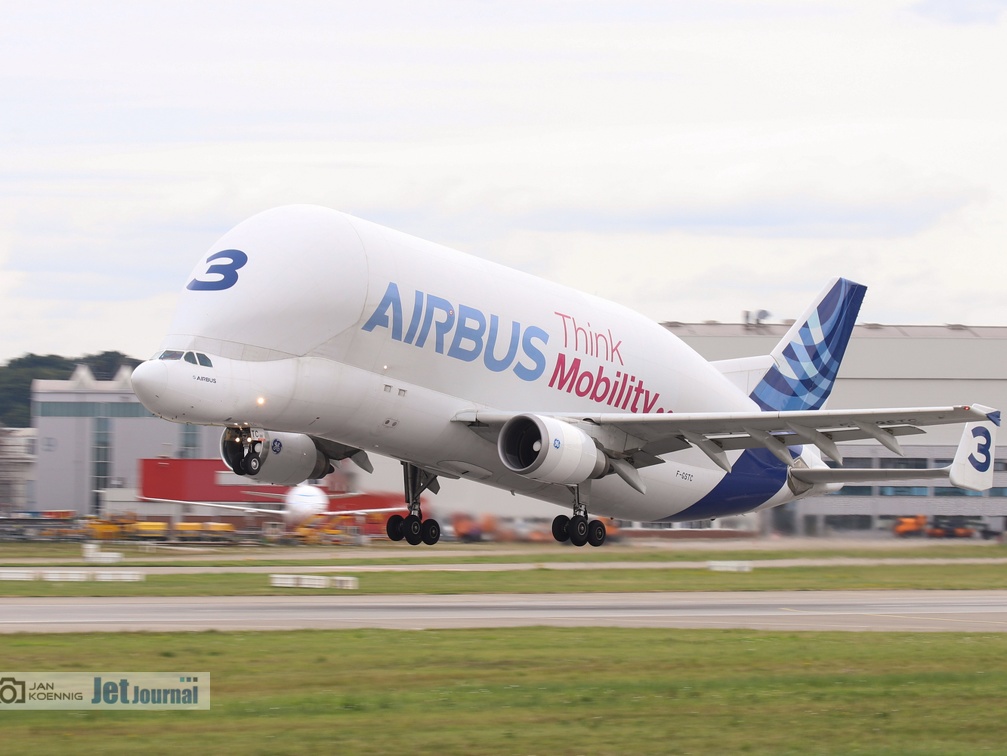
[[150, 379]]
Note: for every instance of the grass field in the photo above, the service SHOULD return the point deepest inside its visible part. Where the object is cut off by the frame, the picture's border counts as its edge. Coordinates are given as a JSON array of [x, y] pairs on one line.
[[384, 553], [536, 691], [928, 577]]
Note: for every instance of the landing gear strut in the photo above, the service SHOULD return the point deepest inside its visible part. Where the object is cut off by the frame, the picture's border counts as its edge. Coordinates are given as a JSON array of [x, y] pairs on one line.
[[413, 528], [578, 530]]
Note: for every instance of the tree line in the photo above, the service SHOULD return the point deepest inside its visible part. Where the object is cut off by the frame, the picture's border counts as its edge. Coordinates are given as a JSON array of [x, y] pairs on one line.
[[16, 377]]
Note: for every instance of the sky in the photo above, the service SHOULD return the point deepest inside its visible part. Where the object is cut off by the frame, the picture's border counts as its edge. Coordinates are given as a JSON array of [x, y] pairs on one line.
[[688, 160]]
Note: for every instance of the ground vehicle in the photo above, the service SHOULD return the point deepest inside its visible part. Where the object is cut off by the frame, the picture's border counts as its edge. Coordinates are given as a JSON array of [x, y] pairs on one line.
[[910, 526], [941, 526], [944, 526]]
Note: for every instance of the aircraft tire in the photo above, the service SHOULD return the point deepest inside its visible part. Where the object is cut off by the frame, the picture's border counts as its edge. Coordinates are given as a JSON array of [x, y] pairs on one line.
[[252, 464], [412, 530], [561, 528], [393, 528], [596, 532], [578, 530], [430, 532]]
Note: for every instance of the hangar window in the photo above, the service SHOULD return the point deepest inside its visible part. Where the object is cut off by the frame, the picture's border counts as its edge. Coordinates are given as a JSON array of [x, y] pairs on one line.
[[904, 463], [903, 490], [855, 491], [953, 491], [858, 462]]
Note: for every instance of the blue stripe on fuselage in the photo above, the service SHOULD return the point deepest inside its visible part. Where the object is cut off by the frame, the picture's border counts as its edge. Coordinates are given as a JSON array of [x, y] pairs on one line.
[[754, 479]]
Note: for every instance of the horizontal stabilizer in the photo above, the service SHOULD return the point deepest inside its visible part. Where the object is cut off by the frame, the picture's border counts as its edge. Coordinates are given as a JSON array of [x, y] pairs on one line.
[[972, 467], [865, 475]]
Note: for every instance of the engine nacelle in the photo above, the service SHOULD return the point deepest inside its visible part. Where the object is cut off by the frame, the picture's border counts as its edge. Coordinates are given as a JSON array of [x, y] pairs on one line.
[[282, 458], [550, 450]]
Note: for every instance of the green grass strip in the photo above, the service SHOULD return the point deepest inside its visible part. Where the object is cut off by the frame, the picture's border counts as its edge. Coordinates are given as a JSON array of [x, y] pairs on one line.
[[535, 691], [383, 553], [932, 577]]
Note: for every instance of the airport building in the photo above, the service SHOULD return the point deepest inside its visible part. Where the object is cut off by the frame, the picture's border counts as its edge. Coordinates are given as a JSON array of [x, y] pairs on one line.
[[92, 434], [17, 469]]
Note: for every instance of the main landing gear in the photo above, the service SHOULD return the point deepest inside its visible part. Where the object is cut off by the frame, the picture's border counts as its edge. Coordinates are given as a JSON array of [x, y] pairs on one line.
[[413, 528], [578, 530]]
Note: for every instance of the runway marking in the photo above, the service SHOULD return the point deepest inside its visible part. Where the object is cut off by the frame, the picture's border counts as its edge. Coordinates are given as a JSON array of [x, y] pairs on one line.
[[928, 616]]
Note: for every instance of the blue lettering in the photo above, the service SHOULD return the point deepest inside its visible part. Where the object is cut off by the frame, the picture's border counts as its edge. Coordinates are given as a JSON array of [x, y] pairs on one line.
[[442, 326], [533, 352], [414, 321], [471, 338], [489, 357], [380, 315], [228, 271], [465, 332]]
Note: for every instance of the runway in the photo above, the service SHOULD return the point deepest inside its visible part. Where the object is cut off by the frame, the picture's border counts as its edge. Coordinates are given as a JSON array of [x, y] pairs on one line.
[[905, 611]]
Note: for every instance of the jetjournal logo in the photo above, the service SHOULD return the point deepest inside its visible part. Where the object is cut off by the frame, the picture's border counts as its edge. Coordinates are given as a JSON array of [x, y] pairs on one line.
[[122, 691]]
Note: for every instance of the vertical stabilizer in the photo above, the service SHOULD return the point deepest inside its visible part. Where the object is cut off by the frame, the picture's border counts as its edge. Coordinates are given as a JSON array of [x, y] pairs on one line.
[[806, 360]]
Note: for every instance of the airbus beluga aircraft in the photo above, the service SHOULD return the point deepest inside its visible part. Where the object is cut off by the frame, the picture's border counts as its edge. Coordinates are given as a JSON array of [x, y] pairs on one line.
[[312, 336]]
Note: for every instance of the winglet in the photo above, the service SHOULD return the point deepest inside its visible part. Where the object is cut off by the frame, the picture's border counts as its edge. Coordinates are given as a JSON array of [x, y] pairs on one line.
[[973, 464]]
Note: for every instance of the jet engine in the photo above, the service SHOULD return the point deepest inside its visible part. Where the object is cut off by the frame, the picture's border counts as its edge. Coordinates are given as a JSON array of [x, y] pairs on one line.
[[282, 458], [550, 450]]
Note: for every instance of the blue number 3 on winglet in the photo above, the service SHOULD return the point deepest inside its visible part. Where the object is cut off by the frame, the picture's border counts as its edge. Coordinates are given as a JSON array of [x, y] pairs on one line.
[[982, 465], [228, 271]]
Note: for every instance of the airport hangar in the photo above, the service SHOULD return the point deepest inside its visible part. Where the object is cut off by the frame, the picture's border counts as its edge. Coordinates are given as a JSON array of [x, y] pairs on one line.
[[92, 434]]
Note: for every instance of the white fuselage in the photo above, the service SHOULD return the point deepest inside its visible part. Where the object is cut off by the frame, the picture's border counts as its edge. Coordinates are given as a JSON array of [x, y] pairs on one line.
[[334, 327]]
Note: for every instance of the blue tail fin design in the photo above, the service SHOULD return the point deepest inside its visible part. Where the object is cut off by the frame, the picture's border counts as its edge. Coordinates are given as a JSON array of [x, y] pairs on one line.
[[807, 359]]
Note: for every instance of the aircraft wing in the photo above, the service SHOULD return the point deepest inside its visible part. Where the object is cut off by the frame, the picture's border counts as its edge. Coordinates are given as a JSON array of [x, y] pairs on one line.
[[274, 511], [235, 507], [640, 439], [268, 495]]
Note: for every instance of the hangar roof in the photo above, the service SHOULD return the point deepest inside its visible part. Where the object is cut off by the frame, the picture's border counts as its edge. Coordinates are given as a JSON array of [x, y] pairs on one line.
[[876, 351]]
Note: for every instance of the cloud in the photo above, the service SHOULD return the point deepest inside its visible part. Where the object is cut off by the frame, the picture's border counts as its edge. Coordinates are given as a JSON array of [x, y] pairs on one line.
[[799, 216], [682, 158], [962, 11]]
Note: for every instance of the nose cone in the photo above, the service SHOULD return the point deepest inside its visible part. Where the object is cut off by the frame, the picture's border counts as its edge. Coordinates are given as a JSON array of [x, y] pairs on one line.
[[150, 380]]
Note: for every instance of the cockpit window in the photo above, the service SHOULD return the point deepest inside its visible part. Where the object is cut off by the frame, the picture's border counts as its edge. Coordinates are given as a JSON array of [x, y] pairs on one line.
[[193, 358]]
